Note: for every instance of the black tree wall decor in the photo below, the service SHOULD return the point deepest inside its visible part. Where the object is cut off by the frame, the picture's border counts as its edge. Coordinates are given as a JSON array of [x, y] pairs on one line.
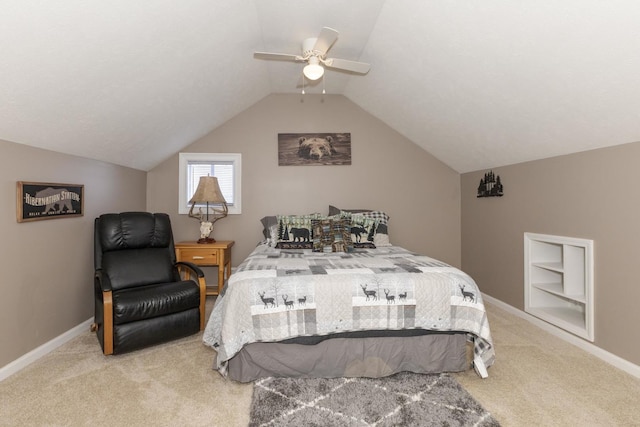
[[490, 186]]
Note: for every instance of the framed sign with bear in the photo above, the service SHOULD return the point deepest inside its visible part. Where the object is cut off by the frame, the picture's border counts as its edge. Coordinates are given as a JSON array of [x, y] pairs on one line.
[[41, 200], [299, 149]]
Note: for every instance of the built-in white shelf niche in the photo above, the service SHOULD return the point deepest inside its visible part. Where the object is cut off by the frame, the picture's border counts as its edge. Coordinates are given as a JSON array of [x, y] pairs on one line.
[[558, 281]]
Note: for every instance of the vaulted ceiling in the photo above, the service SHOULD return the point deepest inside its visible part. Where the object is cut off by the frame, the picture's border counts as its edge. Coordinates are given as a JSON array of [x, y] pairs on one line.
[[478, 84]]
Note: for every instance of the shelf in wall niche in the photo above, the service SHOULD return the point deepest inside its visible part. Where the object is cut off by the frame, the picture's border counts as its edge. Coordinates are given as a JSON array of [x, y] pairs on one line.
[[566, 318], [557, 289], [559, 282], [553, 266]]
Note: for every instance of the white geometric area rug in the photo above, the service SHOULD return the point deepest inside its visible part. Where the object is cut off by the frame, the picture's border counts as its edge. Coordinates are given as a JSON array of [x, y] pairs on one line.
[[404, 399]]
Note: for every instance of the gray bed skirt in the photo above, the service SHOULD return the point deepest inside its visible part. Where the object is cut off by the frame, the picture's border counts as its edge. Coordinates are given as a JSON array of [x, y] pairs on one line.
[[353, 357]]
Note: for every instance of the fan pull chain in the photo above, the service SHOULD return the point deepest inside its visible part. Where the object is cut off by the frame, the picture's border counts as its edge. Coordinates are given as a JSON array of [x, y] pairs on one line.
[[303, 83], [323, 91]]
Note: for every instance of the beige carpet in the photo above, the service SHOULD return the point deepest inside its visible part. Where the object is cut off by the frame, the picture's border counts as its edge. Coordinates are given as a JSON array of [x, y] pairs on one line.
[[537, 380], [541, 380]]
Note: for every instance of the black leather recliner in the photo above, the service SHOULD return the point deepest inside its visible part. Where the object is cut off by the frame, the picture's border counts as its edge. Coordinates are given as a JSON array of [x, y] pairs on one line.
[[141, 298]]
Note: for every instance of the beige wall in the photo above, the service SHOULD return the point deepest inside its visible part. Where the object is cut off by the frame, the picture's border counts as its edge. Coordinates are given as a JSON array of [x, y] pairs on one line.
[[593, 195], [46, 286], [388, 172], [48, 265]]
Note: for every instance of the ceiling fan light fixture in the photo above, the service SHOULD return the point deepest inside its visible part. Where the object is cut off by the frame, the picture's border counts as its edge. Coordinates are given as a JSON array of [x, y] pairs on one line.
[[313, 71], [314, 52]]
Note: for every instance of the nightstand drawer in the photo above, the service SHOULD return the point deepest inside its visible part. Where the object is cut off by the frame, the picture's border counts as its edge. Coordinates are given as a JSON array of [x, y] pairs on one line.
[[198, 256], [208, 255]]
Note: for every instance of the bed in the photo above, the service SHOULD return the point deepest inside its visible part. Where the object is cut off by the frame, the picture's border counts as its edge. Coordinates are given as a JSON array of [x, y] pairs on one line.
[[365, 311]]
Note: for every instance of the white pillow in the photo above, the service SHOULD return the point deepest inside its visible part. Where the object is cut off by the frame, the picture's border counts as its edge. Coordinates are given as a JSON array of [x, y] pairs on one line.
[[380, 240]]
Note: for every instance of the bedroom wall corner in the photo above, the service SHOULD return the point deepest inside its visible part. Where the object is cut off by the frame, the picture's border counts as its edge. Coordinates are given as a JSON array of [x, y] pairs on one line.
[[592, 195], [47, 266]]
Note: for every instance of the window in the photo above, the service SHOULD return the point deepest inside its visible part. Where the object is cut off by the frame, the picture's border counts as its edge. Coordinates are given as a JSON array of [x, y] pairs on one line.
[[224, 166]]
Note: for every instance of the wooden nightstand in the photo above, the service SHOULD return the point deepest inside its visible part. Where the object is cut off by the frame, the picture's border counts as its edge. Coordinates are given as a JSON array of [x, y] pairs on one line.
[[208, 255]]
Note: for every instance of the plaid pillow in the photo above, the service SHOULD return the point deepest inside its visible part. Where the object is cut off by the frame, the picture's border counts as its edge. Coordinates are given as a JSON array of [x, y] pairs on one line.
[[331, 235], [379, 216]]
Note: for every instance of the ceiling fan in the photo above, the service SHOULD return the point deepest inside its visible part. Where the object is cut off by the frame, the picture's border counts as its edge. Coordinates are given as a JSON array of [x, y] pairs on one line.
[[314, 53]]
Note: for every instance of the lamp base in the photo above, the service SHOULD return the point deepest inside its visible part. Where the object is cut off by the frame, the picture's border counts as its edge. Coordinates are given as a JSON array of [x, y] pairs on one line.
[[206, 240]]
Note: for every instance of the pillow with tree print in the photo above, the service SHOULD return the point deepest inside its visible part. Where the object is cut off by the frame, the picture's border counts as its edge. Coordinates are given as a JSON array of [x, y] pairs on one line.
[[295, 231]]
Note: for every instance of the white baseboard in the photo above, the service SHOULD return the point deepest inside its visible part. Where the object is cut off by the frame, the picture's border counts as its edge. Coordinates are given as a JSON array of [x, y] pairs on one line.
[[46, 348], [610, 358]]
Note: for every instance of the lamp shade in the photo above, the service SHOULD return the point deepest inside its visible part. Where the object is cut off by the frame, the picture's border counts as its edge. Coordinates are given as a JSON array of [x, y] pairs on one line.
[[314, 70], [208, 191]]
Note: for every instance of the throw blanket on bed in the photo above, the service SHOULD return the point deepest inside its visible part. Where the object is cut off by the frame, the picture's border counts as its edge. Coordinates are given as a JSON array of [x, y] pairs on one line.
[[277, 294]]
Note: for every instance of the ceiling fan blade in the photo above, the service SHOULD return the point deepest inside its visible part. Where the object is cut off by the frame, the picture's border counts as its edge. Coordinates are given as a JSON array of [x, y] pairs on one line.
[[326, 39], [277, 56], [343, 64]]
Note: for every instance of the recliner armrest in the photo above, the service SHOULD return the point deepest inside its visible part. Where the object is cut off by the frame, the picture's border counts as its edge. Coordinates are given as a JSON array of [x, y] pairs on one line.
[[102, 281], [193, 267]]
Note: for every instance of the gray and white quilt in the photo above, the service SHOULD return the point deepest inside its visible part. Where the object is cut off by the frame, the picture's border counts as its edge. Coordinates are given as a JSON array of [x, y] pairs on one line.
[[278, 294]]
